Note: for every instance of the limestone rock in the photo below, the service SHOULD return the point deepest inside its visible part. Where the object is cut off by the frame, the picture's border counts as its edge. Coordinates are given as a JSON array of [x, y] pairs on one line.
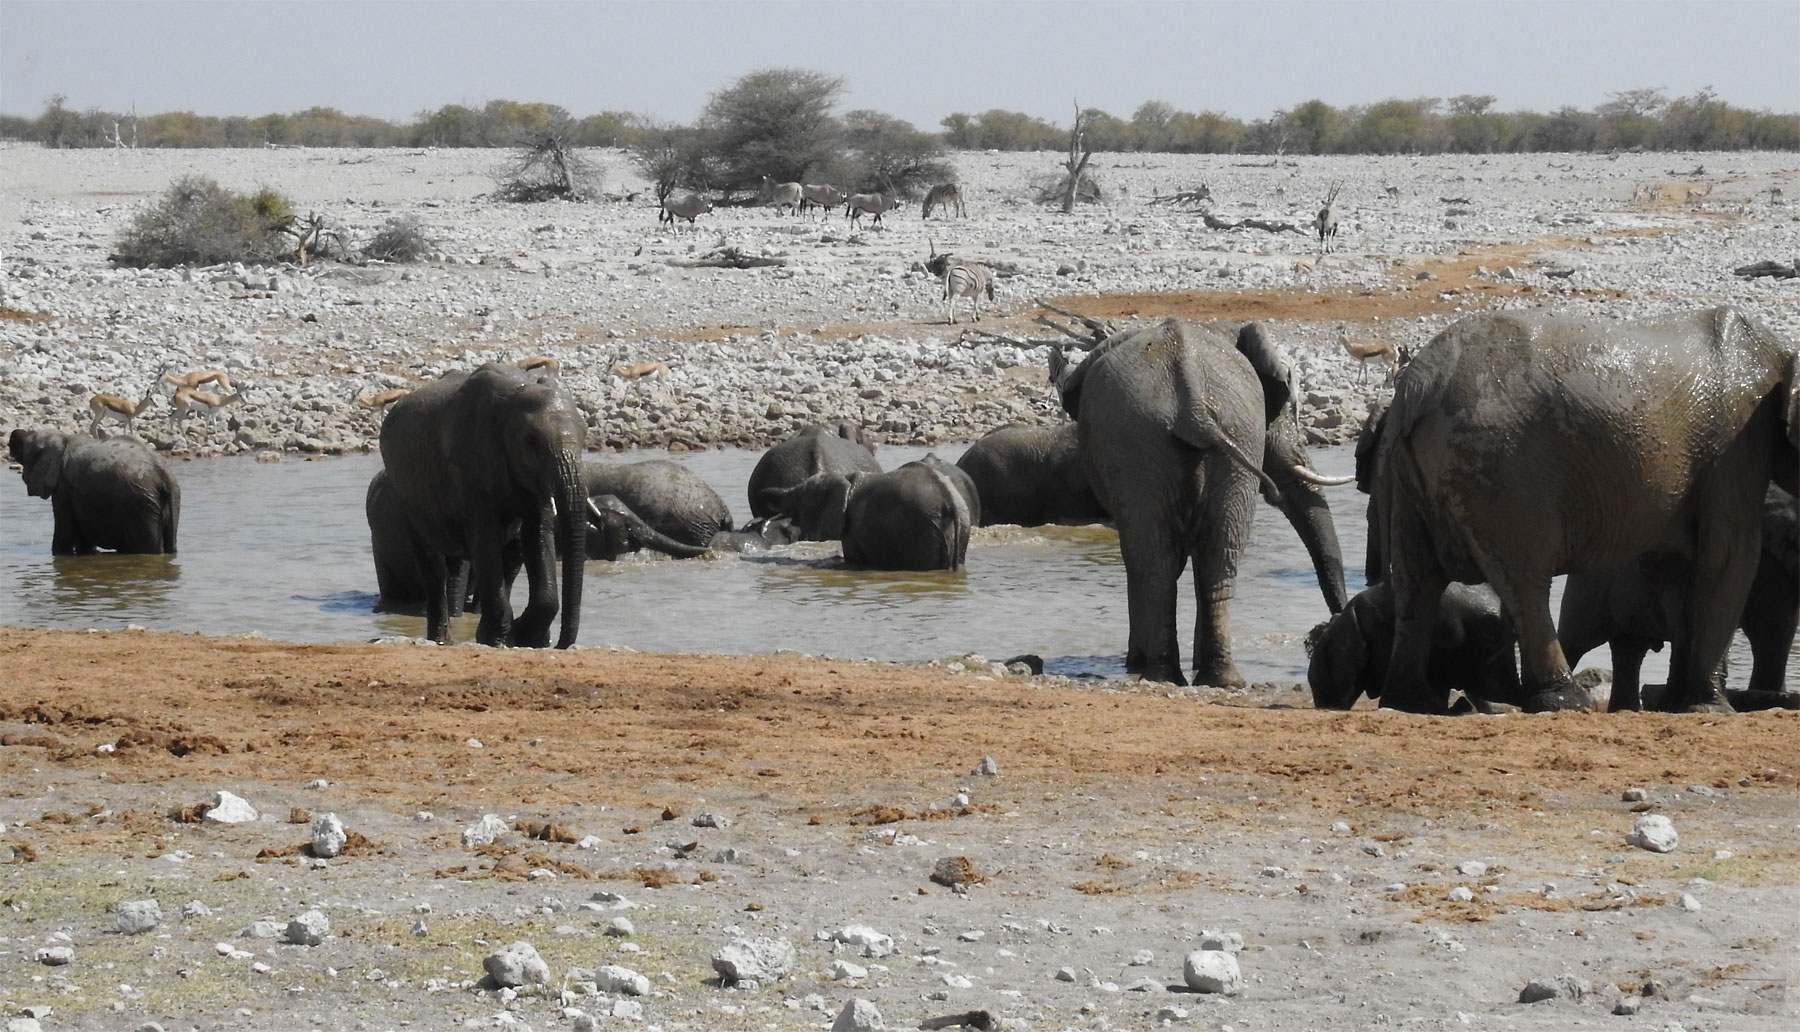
[[858, 1015], [1212, 971], [328, 836], [227, 808], [308, 929], [138, 916], [759, 960], [516, 964], [1654, 832]]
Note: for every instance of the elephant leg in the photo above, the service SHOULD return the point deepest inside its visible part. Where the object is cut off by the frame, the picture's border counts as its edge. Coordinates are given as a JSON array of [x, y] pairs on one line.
[[1769, 621], [1418, 582], [1628, 665], [537, 546], [1723, 569], [437, 598], [457, 586], [1216, 545], [1153, 565], [1524, 593], [496, 626]]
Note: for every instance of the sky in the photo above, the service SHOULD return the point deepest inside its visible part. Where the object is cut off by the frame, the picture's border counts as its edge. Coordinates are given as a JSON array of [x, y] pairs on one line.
[[920, 60]]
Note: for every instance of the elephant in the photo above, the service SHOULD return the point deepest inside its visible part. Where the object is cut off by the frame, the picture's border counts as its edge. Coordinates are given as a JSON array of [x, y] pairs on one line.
[[115, 493], [1622, 608], [1177, 424], [1030, 476], [911, 518], [1521, 445], [1471, 649], [475, 459], [839, 447], [961, 480], [671, 498]]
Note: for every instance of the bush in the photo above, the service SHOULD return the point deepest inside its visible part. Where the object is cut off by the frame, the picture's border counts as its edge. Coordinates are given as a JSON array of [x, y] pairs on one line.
[[199, 222], [398, 240], [546, 167]]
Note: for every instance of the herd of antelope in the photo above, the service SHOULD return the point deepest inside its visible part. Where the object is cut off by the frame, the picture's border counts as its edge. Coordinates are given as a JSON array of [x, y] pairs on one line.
[[188, 399]]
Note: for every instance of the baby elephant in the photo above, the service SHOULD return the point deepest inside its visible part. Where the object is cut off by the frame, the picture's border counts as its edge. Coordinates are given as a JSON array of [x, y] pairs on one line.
[[112, 494], [1471, 650], [916, 517]]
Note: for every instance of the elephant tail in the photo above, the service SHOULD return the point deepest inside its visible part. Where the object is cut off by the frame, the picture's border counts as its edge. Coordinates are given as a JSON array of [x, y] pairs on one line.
[[169, 505]]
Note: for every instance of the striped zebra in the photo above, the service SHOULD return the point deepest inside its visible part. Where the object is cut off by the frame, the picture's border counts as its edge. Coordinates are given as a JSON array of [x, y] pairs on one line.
[[961, 279], [947, 194]]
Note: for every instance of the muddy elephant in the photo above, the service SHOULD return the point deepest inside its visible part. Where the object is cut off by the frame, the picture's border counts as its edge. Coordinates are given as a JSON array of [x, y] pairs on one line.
[[911, 518], [671, 498], [1471, 649], [475, 458], [839, 447], [1622, 608], [1030, 476], [1178, 425], [1521, 445], [114, 494]]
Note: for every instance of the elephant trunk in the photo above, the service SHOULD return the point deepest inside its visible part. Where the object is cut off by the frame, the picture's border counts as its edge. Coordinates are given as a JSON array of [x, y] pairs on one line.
[[571, 538]]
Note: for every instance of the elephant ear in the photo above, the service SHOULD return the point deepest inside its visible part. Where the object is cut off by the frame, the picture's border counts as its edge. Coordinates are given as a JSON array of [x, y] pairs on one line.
[[1368, 443], [1279, 384], [43, 460]]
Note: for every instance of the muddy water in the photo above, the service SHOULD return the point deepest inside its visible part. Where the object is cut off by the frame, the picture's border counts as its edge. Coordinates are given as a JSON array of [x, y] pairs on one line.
[[282, 549]]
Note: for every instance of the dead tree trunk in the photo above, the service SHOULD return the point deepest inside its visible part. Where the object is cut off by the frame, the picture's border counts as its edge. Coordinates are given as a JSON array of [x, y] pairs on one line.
[[1078, 161]]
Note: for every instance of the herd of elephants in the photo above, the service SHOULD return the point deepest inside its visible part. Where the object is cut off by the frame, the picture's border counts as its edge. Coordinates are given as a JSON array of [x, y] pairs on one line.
[[1654, 462]]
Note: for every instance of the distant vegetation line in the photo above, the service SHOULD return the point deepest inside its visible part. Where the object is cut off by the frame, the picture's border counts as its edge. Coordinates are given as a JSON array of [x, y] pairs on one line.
[[1640, 119]]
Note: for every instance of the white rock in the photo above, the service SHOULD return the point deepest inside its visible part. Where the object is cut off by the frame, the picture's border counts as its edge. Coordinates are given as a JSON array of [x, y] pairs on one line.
[[1654, 832], [1688, 903], [227, 808], [1461, 894], [308, 929], [55, 956], [516, 964], [483, 831], [1471, 868], [843, 970], [1212, 971], [616, 979], [872, 942], [858, 1015], [1230, 942], [760, 960], [138, 916], [621, 926], [328, 836]]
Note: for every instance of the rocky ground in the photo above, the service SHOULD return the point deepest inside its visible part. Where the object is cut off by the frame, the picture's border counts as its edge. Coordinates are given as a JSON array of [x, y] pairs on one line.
[[663, 824], [849, 325], [931, 842]]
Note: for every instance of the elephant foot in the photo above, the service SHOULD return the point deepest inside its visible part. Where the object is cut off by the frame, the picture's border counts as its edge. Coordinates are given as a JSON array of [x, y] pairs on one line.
[[1753, 699], [1220, 675], [1563, 695]]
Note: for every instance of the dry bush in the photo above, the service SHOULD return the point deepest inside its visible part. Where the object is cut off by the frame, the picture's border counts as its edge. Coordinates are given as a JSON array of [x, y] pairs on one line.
[[199, 222], [1048, 188], [545, 167], [398, 240]]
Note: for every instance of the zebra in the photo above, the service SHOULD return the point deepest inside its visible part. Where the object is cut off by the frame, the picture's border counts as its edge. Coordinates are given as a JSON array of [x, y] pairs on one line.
[[783, 195], [872, 203], [947, 194], [961, 279], [686, 208], [820, 195], [1327, 220]]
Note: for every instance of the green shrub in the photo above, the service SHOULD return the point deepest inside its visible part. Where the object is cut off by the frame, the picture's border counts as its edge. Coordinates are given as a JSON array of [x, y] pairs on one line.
[[199, 222]]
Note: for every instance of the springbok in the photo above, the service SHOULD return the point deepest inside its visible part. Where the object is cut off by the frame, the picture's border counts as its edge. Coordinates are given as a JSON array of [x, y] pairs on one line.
[[192, 401], [1327, 220], [1363, 353], [820, 195], [856, 205], [961, 279], [200, 377], [639, 370], [544, 362], [382, 399], [783, 195], [947, 194], [689, 207], [112, 406]]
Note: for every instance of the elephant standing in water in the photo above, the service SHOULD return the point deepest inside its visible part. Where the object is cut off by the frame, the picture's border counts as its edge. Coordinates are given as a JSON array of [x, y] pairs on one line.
[[1178, 424], [1030, 476], [115, 493], [1623, 609], [1522, 445], [916, 517], [835, 448], [476, 459]]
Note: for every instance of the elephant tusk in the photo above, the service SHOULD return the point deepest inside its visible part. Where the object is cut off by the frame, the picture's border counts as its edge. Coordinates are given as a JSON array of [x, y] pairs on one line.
[[1307, 474]]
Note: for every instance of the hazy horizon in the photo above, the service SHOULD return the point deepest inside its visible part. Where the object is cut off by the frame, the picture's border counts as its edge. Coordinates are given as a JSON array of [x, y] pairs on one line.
[[919, 61]]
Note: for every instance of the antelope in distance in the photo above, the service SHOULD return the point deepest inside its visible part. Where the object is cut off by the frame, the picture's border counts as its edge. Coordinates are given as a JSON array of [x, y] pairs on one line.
[[639, 370], [199, 378], [1327, 220], [783, 195], [822, 196], [192, 401], [856, 205], [947, 194], [382, 399], [690, 207], [961, 279], [112, 406], [544, 362], [1363, 353]]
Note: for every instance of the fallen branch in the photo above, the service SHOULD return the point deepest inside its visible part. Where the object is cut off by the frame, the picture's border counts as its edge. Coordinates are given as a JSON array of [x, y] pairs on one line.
[[1097, 330], [1215, 222], [1197, 196], [1768, 268], [727, 258]]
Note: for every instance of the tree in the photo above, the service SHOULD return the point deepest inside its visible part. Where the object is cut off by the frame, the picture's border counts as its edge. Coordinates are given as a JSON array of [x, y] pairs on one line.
[[1629, 118], [1154, 121], [776, 122], [891, 154], [671, 156], [1315, 127], [1395, 127], [1472, 129], [1079, 153]]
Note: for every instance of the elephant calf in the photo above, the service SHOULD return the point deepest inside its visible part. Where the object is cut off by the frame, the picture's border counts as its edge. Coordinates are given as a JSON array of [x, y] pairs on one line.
[[1471, 650], [114, 494], [1030, 476], [1623, 609], [839, 447], [916, 517]]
